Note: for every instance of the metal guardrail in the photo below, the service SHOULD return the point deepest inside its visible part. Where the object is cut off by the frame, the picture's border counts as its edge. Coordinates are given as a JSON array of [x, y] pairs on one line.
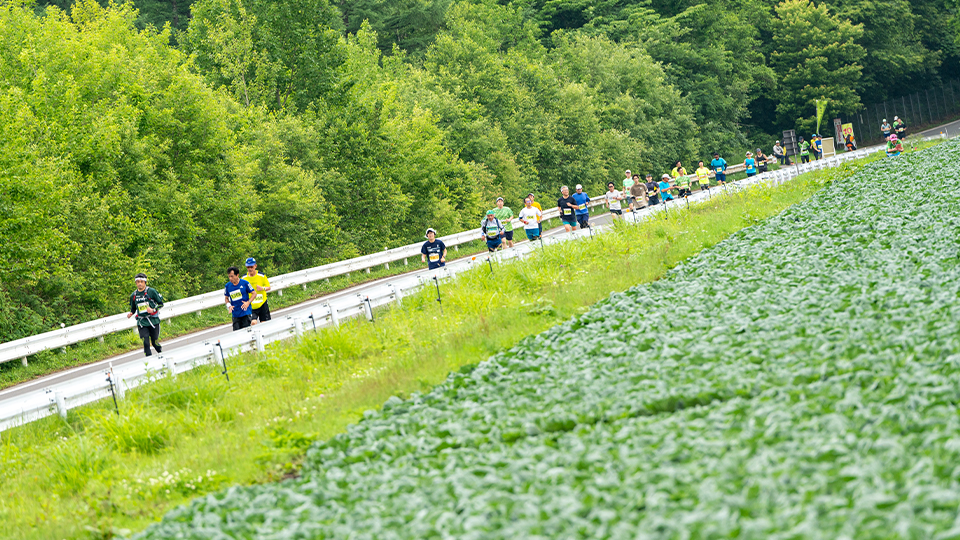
[[93, 387]]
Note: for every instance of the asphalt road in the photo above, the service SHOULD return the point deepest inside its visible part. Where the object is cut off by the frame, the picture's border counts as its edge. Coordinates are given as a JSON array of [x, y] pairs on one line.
[[212, 334]]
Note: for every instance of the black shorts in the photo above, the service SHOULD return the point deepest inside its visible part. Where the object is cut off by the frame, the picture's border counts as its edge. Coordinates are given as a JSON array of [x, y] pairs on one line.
[[616, 211], [262, 313], [241, 322], [508, 235]]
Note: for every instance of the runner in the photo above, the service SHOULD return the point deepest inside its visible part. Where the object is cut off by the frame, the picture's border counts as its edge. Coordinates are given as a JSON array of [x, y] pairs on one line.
[[505, 215], [719, 166], [259, 307], [434, 250], [900, 128], [492, 231], [536, 205], [894, 146], [804, 151], [236, 295], [817, 144], [681, 179], [531, 216], [145, 303], [639, 193], [613, 200], [567, 207], [886, 128], [703, 176], [653, 191], [628, 183], [583, 213], [761, 161], [750, 165], [665, 188]]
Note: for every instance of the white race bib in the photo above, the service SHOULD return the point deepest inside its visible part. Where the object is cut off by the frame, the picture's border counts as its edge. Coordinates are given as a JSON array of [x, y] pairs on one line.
[[236, 296], [434, 257], [259, 298], [142, 307]]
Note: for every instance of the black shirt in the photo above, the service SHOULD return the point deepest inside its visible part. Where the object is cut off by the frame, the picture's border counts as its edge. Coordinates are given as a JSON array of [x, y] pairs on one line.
[[434, 252], [566, 212]]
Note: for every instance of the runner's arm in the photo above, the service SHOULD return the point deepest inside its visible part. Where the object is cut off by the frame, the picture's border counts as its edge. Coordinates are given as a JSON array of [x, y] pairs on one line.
[[133, 307]]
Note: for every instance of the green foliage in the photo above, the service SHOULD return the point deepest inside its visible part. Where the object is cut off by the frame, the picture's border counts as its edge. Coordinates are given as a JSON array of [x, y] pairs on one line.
[[134, 431], [74, 462], [809, 360], [817, 57]]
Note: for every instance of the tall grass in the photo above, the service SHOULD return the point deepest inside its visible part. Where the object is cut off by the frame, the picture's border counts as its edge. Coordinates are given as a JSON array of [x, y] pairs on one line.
[[179, 437]]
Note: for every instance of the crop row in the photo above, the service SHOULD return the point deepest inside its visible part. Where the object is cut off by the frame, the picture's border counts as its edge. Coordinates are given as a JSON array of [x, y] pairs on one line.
[[799, 380]]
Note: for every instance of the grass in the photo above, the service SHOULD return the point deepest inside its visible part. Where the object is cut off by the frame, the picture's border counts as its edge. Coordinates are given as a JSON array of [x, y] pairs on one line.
[[98, 473]]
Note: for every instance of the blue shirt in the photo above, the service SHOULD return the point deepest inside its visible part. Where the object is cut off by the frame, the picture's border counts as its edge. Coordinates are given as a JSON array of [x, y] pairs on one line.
[[581, 199], [238, 294], [664, 186], [751, 165], [719, 165]]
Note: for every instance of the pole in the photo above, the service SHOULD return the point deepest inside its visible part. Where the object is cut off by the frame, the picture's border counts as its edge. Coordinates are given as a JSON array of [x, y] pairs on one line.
[[440, 302], [223, 358], [112, 393]]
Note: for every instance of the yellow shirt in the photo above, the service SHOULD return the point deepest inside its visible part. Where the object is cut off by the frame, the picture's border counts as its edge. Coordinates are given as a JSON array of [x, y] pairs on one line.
[[703, 173], [262, 281], [536, 205]]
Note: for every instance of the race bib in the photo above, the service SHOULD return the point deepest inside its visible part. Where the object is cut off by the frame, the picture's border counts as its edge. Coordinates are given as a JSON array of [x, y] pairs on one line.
[[581, 206], [719, 169], [142, 307], [434, 257], [236, 296], [567, 211], [259, 298], [492, 233]]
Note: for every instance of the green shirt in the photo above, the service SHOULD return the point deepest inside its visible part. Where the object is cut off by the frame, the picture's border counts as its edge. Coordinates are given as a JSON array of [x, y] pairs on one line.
[[804, 148], [138, 306], [504, 214]]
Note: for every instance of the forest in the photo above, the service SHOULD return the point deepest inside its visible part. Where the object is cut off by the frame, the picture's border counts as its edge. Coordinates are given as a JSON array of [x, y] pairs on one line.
[[177, 138]]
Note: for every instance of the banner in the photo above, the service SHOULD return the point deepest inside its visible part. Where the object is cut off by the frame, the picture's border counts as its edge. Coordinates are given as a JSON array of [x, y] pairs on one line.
[[821, 109], [837, 129], [847, 129]]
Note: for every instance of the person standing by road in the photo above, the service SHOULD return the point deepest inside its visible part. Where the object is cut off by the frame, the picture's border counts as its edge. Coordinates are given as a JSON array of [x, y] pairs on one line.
[[530, 216], [433, 251], [750, 165], [238, 295], [780, 154], [804, 150], [260, 309], [505, 216], [719, 166], [638, 192], [145, 304], [653, 191], [886, 128], [703, 176], [613, 200], [567, 207], [583, 212], [491, 230]]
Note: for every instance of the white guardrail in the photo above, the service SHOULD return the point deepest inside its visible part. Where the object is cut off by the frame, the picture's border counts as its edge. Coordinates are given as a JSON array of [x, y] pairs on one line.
[[95, 386]]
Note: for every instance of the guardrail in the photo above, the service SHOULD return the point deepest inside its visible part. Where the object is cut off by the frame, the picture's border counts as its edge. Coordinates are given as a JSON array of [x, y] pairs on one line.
[[99, 385]]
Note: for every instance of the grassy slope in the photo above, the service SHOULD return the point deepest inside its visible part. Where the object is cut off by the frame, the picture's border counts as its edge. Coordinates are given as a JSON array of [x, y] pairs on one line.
[[179, 438]]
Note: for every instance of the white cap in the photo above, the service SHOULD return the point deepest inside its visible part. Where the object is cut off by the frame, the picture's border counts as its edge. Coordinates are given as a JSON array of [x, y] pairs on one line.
[[579, 186], [626, 171], [430, 230], [665, 175]]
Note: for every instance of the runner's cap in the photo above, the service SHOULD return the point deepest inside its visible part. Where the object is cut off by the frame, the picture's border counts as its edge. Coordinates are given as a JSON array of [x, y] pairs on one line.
[[490, 212], [430, 230], [499, 199], [140, 276], [251, 261], [626, 171], [665, 175], [579, 186]]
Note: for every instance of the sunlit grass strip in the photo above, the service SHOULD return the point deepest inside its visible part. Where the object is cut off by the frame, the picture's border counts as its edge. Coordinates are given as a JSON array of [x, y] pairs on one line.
[[181, 437]]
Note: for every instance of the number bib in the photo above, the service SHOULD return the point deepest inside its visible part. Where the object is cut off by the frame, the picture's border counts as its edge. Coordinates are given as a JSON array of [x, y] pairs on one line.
[[567, 211], [236, 296], [434, 257], [142, 308]]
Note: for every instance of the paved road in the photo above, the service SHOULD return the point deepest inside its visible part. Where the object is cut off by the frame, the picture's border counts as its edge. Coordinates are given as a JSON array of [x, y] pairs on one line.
[[211, 334], [951, 129]]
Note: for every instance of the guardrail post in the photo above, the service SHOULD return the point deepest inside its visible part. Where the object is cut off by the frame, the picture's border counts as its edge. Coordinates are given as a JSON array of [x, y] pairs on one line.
[[333, 315], [61, 404], [305, 285], [168, 361], [297, 328], [24, 361], [367, 270], [367, 309], [405, 262], [100, 339], [258, 340], [397, 294]]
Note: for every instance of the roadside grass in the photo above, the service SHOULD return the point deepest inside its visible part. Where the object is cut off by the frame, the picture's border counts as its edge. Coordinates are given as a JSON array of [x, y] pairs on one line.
[[99, 473]]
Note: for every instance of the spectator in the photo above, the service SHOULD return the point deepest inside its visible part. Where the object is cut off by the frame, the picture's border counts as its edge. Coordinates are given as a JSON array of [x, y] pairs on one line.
[[653, 191], [850, 142], [434, 250], [639, 193], [761, 160], [780, 154], [583, 212], [894, 146], [750, 165], [719, 166]]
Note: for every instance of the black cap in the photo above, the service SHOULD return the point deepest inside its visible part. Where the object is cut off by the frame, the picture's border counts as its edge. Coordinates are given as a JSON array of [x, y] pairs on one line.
[[716, 153]]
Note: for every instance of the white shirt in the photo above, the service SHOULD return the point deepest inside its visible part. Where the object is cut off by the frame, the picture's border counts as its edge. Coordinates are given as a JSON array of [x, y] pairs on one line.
[[532, 216], [612, 197]]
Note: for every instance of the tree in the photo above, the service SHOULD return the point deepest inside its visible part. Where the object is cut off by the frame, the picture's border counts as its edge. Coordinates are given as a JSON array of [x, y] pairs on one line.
[[816, 56]]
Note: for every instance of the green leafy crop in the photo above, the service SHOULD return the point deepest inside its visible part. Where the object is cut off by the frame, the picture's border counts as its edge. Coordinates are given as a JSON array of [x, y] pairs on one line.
[[799, 380]]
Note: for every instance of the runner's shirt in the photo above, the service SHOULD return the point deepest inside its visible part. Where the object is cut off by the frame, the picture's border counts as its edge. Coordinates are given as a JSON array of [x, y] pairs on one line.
[[719, 165], [581, 199], [566, 213], [639, 192], [238, 294], [532, 215], [627, 184], [750, 165], [261, 298], [613, 198], [491, 229], [703, 175], [434, 252], [139, 301], [505, 215]]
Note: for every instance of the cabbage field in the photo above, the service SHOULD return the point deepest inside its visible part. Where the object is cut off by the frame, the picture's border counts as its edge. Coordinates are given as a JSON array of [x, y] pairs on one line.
[[799, 380]]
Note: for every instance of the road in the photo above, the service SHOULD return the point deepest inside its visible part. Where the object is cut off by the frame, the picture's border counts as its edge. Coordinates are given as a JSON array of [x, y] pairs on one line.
[[211, 334]]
